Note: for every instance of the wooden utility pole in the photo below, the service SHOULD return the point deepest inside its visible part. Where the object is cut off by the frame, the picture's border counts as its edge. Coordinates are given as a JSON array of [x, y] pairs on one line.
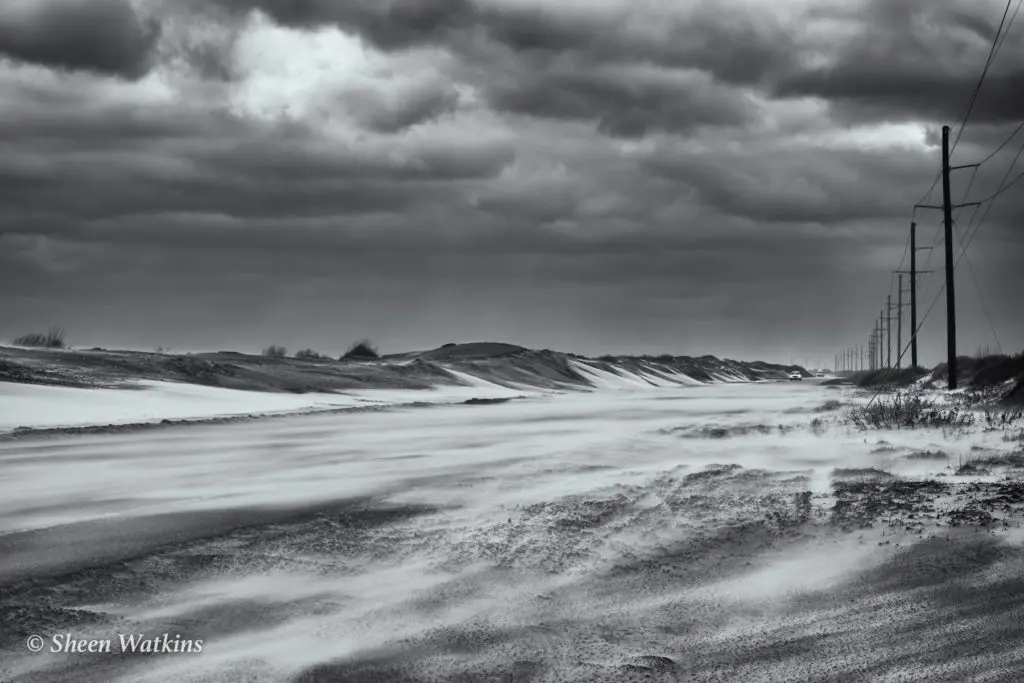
[[878, 345], [913, 273], [947, 212], [947, 220], [899, 325], [882, 340], [888, 331], [898, 307], [913, 295]]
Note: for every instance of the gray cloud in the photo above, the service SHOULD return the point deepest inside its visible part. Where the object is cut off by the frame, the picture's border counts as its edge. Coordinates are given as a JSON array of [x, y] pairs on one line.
[[624, 102], [103, 36], [391, 111], [598, 178], [390, 24], [914, 59]]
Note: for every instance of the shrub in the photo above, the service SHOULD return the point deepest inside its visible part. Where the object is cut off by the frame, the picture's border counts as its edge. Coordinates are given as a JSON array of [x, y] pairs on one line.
[[908, 411], [361, 350], [275, 351], [309, 354], [1002, 419], [53, 339]]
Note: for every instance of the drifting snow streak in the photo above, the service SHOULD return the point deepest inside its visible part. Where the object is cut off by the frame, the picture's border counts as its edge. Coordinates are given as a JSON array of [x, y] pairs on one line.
[[654, 534]]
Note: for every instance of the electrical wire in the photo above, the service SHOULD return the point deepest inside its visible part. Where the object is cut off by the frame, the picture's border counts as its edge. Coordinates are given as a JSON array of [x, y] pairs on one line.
[[990, 201], [981, 300], [1003, 143], [984, 72]]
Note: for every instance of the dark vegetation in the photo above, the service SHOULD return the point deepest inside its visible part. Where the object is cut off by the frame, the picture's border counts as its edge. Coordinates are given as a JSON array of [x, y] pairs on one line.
[[908, 411], [310, 354], [995, 377], [362, 350], [52, 339], [275, 351]]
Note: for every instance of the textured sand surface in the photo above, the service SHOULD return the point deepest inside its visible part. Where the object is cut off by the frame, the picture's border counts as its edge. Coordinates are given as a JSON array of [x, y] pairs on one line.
[[656, 534]]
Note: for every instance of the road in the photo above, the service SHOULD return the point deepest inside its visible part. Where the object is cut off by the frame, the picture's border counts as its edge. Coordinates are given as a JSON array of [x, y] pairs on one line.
[[663, 534]]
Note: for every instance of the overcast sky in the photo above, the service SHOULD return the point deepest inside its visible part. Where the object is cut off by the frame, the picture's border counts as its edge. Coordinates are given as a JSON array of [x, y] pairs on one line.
[[597, 176]]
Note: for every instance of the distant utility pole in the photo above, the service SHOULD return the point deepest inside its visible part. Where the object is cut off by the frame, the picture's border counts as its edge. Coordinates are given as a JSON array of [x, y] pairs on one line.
[[899, 324], [873, 354], [881, 340], [913, 273], [888, 331], [898, 307], [913, 295]]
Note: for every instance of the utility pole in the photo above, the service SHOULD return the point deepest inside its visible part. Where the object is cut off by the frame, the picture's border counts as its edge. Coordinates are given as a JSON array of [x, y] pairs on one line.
[[913, 295], [899, 325], [947, 216], [881, 340], [888, 331], [947, 211], [913, 273], [878, 344], [898, 307]]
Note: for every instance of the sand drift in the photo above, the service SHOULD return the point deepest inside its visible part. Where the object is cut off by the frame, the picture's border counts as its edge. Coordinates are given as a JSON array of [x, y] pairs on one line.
[[720, 532], [87, 391]]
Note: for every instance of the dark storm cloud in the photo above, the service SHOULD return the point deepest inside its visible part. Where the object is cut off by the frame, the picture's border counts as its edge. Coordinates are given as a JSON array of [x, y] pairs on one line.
[[625, 103], [915, 59], [793, 183], [390, 24], [248, 180], [96, 159], [103, 36], [733, 45], [571, 65]]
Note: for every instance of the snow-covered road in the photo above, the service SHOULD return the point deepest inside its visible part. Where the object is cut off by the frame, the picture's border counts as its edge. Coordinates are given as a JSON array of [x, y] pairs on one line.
[[595, 536]]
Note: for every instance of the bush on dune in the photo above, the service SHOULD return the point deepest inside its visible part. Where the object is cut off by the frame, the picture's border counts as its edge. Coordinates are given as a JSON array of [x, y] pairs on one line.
[[361, 350], [908, 411], [275, 351], [310, 354], [53, 339]]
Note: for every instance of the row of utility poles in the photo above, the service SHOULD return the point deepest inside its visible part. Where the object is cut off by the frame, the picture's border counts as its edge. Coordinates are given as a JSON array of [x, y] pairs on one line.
[[880, 348]]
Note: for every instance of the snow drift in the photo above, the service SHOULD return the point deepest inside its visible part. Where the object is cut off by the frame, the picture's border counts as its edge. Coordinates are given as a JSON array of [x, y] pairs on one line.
[[56, 389]]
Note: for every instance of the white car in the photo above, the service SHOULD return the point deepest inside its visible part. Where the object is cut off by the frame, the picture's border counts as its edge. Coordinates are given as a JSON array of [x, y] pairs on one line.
[[795, 377]]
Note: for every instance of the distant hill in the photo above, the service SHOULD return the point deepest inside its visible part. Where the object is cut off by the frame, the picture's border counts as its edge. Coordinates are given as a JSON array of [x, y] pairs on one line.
[[498, 363]]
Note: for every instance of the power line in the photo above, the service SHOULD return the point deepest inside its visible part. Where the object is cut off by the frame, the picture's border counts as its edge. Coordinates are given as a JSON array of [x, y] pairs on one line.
[[1005, 187], [1007, 31], [984, 72], [1003, 143], [990, 201], [981, 299], [913, 336]]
